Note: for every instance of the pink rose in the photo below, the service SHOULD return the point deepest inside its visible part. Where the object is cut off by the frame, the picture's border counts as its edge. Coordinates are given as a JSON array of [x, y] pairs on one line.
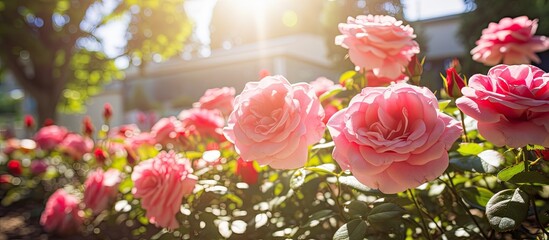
[[124, 131], [204, 122], [167, 131], [161, 183], [217, 98], [144, 138], [378, 43], [38, 166], [511, 105], [62, 215], [393, 138], [48, 137], [100, 189], [274, 122], [76, 146], [376, 81], [322, 85], [512, 39]]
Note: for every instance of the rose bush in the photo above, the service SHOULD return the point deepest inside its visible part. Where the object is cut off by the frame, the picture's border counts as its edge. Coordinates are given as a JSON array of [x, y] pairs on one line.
[[511, 105], [274, 122], [387, 168], [217, 98]]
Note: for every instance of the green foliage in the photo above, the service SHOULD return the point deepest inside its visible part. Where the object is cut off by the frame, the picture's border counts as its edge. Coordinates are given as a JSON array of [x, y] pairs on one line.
[[507, 209]]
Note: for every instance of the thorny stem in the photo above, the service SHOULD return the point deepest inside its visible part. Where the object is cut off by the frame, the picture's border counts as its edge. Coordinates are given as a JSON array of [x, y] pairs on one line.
[[425, 227], [460, 202]]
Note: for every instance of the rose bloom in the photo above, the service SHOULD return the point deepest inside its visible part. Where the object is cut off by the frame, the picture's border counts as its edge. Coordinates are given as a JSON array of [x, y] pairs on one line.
[[38, 166], [124, 131], [100, 189], [378, 43], [76, 146], [511, 105], [14, 167], [247, 171], [205, 122], [511, 40], [217, 98], [322, 85], [161, 183], [274, 122], [61, 215], [167, 131], [49, 137], [375, 81], [393, 138]]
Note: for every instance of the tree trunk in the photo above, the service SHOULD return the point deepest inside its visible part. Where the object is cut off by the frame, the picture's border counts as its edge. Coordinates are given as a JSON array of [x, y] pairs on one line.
[[46, 106]]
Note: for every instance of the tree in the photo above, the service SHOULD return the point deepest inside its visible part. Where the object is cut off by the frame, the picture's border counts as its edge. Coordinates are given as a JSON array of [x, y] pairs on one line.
[[53, 49]]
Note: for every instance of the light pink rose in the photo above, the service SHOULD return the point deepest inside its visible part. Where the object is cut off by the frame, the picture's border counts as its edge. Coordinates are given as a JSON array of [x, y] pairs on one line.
[[161, 183], [393, 138], [76, 146], [274, 122], [49, 137], [511, 105], [217, 98], [322, 85], [374, 81], [511, 40], [378, 43], [100, 189], [61, 215], [124, 131], [208, 123], [167, 131]]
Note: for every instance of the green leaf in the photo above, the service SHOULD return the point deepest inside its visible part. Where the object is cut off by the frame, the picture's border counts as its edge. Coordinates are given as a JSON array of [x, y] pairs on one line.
[[298, 178], [317, 217], [468, 149], [533, 178], [357, 209], [509, 172], [355, 229], [507, 209], [476, 196], [442, 104], [327, 168], [347, 75], [384, 212], [329, 94], [473, 164]]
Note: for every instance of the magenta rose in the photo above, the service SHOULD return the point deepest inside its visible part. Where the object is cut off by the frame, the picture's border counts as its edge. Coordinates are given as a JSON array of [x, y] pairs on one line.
[[217, 98], [76, 146], [511, 105], [274, 122], [161, 183], [49, 137], [208, 123], [378, 43], [61, 215], [393, 138], [511, 40], [167, 131], [100, 189]]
